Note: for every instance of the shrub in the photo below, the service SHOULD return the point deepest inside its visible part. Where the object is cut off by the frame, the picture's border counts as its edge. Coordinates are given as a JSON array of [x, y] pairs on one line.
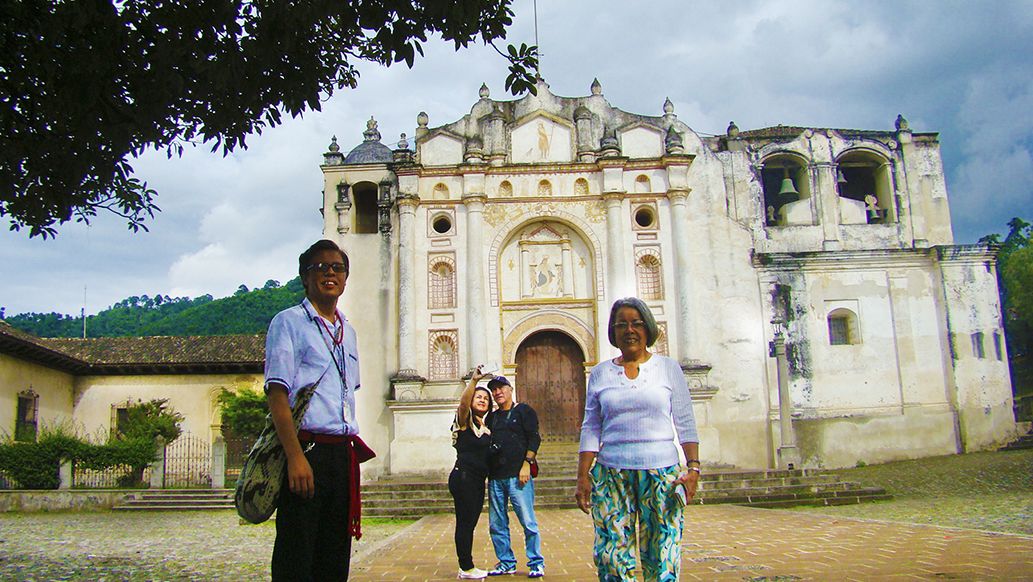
[[36, 465]]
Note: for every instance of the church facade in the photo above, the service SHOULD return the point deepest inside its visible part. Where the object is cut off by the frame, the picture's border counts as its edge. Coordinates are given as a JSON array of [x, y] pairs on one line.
[[806, 279]]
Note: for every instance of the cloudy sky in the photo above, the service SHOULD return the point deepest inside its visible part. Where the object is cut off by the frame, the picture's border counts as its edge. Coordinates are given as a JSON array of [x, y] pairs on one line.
[[962, 69]]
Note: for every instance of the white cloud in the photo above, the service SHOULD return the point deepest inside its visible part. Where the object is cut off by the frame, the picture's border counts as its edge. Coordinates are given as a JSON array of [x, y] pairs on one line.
[[958, 68]]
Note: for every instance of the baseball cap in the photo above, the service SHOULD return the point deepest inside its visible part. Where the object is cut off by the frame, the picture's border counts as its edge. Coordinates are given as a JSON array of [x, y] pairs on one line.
[[497, 381]]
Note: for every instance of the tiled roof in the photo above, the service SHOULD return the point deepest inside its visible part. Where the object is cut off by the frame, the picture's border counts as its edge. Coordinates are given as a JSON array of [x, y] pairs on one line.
[[139, 355]]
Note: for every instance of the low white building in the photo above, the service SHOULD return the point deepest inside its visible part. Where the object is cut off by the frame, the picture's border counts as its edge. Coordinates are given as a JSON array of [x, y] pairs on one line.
[[507, 234]]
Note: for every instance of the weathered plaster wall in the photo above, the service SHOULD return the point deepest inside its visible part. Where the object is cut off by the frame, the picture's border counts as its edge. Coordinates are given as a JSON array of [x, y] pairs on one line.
[[370, 304], [982, 381], [913, 433], [54, 389], [194, 396]]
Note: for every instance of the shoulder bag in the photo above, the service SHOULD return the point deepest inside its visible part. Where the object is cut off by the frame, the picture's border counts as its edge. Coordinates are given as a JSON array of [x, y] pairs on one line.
[[261, 477]]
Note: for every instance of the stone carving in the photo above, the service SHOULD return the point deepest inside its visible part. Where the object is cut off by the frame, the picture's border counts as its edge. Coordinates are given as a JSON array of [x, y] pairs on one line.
[[544, 188], [595, 211], [496, 214], [581, 187]]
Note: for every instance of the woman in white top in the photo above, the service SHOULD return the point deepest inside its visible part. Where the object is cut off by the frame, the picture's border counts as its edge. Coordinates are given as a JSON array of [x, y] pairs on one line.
[[628, 465]]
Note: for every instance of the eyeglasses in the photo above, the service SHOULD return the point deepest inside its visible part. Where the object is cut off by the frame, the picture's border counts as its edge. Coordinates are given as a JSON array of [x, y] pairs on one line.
[[327, 267], [623, 325]]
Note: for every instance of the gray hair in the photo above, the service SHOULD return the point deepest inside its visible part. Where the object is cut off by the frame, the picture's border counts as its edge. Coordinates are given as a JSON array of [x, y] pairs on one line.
[[652, 329]]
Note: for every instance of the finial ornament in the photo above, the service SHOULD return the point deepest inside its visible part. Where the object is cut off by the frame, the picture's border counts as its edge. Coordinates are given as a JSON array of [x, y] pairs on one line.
[[422, 119], [902, 124], [403, 144], [668, 106], [333, 147], [371, 133], [484, 92], [597, 88], [733, 129]]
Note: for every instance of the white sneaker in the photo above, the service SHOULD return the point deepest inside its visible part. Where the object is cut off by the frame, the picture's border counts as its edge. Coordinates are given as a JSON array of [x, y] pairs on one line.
[[472, 574]]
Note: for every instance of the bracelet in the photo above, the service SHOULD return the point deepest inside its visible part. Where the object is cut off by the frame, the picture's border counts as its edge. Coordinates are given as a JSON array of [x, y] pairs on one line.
[[696, 469], [530, 460], [687, 461]]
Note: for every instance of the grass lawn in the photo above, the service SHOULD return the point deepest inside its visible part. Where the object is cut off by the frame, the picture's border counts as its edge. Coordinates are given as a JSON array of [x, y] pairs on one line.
[[990, 491]]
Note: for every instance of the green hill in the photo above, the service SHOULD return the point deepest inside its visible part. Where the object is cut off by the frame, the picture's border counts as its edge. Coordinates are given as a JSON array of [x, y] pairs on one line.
[[245, 312]]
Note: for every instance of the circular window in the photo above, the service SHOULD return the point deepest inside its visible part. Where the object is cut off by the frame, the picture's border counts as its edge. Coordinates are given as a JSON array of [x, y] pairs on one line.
[[644, 217], [442, 224]]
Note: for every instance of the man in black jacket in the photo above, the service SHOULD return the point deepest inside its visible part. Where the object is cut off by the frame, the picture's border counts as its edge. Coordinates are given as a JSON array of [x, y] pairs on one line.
[[515, 441]]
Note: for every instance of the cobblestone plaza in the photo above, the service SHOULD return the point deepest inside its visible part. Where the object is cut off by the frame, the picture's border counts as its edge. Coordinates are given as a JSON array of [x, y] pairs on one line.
[[721, 543]]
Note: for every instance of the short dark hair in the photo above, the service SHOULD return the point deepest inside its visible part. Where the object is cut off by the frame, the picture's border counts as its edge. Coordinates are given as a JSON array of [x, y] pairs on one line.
[[321, 245], [652, 329]]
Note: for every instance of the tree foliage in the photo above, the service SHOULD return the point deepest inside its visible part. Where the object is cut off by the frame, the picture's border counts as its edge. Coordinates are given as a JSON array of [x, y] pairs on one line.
[[87, 86], [138, 316], [243, 412], [1015, 276], [149, 420]]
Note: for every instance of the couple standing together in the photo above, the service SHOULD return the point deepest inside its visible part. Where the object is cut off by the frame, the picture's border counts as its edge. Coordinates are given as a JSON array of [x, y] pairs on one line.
[[630, 475], [495, 439]]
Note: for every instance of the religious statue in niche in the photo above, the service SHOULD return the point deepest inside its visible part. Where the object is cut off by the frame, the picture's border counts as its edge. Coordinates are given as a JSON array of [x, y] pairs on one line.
[[546, 277]]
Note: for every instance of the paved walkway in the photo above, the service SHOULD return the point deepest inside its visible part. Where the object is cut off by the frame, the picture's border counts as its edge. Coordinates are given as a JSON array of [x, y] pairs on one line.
[[725, 542]]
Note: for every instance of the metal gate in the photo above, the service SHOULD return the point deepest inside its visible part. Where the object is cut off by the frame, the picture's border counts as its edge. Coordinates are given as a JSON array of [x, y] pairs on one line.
[[237, 449], [188, 462]]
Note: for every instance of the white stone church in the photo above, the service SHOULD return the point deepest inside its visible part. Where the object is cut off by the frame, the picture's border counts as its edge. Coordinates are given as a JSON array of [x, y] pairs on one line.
[[505, 236]]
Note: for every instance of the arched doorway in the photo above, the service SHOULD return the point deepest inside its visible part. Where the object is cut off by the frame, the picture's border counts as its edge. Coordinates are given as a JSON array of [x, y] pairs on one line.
[[551, 378]]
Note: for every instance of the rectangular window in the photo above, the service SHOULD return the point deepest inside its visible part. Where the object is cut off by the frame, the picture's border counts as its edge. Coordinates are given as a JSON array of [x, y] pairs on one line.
[[839, 331], [998, 348], [977, 345], [25, 424]]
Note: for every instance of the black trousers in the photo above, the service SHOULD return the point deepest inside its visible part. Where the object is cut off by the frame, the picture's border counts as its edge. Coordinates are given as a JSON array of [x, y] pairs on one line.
[[312, 541], [467, 491]]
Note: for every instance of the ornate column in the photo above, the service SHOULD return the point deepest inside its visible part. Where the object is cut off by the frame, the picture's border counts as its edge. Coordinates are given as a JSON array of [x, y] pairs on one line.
[[682, 271], [568, 269], [343, 206], [476, 301], [614, 247], [407, 204]]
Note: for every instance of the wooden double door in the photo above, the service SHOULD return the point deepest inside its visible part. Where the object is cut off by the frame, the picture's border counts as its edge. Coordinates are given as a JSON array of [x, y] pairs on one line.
[[550, 370]]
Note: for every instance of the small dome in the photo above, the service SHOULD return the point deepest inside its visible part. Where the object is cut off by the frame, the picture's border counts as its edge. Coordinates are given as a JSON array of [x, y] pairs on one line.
[[370, 152]]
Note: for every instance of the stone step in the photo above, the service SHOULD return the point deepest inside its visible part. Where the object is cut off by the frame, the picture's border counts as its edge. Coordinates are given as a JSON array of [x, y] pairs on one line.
[[1023, 442], [845, 497], [403, 498], [176, 500], [178, 507]]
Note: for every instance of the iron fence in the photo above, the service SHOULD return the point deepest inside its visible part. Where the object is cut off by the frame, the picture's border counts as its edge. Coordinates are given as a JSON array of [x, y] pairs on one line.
[[237, 449], [119, 476]]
